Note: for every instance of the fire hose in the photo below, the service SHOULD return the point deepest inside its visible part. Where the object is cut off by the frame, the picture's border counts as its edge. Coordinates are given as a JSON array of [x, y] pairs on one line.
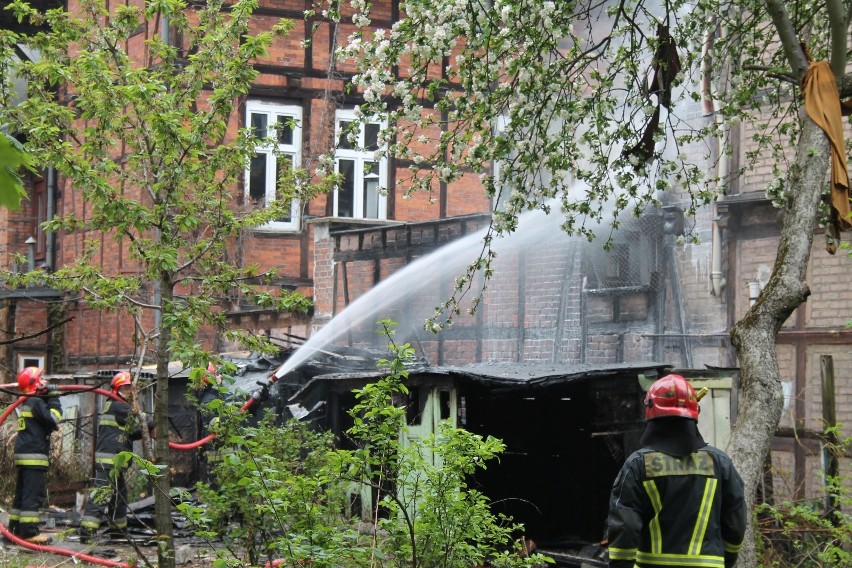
[[54, 549], [253, 399]]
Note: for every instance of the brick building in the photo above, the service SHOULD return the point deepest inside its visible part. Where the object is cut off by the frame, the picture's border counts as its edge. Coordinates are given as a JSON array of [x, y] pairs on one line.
[[652, 299]]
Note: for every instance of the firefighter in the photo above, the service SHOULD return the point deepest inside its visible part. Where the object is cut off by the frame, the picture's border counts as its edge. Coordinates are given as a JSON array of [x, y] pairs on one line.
[[117, 429], [677, 501], [38, 417], [211, 389], [211, 386]]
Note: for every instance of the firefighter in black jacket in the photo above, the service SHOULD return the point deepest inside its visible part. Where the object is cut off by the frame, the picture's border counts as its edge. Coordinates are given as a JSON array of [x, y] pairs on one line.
[[117, 429], [210, 385], [37, 419], [677, 501]]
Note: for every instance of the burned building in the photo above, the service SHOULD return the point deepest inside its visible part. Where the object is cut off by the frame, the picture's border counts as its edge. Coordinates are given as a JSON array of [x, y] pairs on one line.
[[567, 430]]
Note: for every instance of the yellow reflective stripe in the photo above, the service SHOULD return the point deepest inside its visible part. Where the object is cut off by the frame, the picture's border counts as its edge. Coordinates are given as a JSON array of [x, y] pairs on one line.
[[28, 517], [108, 422], [32, 462], [680, 560], [104, 460], [26, 413], [622, 553], [733, 548], [654, 527], [90, 522], [56, 413], [703, 516]]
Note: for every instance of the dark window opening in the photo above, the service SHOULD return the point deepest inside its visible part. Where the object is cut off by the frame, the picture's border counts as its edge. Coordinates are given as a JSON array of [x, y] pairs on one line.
[[259, 125], [343, 142], [257, 178], [445, 404], [371, 136], [346, 192], [284, 127], [414, 407]]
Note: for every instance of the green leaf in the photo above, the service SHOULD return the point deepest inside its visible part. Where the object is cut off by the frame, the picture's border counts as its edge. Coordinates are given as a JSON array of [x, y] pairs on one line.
[[13, 159]]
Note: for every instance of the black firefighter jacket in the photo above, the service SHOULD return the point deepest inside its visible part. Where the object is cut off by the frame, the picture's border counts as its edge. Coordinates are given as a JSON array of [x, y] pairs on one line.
[[676, 511], [37, 419], [117, 429]]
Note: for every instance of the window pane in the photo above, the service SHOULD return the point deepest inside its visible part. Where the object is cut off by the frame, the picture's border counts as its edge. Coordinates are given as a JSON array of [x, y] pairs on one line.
[[371, 190], [343, 143], [257, 178], [371, 136], [285, 163], [346, 192], [284, 127], [258, 125]]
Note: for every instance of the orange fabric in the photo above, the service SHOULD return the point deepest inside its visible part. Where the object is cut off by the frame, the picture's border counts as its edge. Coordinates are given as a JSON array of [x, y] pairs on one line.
[[822, 103]]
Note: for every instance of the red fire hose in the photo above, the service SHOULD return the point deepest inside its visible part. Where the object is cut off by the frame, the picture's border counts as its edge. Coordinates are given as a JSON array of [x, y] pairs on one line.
[[74, 554], [255, 396]]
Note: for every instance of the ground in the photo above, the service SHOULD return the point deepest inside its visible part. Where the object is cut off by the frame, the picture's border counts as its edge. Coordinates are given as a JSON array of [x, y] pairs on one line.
[[12, 556], [190, 552]]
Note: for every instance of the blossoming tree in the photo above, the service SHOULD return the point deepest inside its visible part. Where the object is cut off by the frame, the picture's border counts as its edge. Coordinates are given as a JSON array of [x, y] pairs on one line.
[[581, 106]]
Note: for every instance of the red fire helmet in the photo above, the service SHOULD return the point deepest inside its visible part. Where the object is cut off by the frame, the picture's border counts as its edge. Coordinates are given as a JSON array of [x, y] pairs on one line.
[[30, 379], [120, 379], [671, 395], [212, 376]]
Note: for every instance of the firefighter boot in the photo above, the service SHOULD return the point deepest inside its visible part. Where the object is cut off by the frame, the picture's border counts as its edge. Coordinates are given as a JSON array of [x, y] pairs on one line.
[[39, 539]]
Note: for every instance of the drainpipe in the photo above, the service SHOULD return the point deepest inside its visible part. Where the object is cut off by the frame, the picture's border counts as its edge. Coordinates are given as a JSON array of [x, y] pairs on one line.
[[50, 237], [165, 30], [711, 105], [717, 279], [31, 243]]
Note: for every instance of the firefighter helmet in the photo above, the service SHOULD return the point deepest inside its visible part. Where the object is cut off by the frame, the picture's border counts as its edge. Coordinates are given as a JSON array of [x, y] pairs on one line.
[[119, 380], [671, 395], [30, 379], [211, 376]]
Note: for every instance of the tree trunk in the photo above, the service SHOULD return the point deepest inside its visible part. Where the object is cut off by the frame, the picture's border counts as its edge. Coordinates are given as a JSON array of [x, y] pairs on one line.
[[754, 336], [162, 500]]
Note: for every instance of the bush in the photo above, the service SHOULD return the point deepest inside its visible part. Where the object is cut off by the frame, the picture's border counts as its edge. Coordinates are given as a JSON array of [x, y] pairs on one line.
[[272, 496], [280, 493], [808, 533]]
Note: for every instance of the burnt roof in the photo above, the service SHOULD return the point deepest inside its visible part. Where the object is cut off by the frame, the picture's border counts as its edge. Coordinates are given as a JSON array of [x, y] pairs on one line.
[[496, 374]]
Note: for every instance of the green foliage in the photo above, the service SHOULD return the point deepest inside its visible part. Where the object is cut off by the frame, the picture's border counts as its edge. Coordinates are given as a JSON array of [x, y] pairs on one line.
[[273, 496], [425, 515], [564, 106], [147, 147], [13, 159], [809, 534], [142, 138], [280, 492]]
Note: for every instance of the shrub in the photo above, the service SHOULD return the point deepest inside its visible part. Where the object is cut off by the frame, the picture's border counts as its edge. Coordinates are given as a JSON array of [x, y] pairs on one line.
[[809, 533]]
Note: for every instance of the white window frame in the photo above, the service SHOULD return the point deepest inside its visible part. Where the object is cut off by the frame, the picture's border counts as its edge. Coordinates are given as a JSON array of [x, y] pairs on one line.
[[35, 360], [360, 156], [273, 111]]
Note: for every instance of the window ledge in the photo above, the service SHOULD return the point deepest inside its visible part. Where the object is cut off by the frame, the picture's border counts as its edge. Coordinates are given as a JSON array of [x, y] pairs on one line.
[[275, 232], [351, 222]]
